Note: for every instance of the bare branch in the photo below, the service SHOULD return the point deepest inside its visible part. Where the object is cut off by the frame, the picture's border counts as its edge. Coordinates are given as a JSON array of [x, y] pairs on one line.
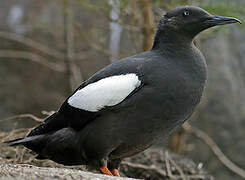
[[168, 167], [160, 171], [145, 167], [48, 113], [24, 116], [182, 175], [29, 42], [12, 133], [216, 150], [33, 57]]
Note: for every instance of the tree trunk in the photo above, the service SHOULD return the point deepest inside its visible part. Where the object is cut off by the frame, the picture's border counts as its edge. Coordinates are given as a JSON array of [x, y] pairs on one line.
[[116, 30], [73, 72], [148, 24]]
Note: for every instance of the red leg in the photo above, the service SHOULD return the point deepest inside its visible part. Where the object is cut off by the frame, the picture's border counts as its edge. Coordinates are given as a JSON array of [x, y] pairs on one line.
[[106, 171], [115, 172]]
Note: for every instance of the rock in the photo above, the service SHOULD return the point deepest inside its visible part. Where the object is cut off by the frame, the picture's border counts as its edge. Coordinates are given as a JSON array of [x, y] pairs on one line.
[[26, 172]]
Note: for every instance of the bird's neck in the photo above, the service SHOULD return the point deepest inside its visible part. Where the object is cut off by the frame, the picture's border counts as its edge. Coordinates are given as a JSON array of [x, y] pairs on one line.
[[165, 39]]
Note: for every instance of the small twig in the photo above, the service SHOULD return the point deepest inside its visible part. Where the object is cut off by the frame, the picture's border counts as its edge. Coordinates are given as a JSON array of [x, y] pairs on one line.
[[29, 160], [24, 116], [29, 42], [15, 131], [216, 150], [168, 167], [21, 155], [178, 168], [48, 113], [145, 167], [197, 176], [32, 57], [182, 176], [162, 172]]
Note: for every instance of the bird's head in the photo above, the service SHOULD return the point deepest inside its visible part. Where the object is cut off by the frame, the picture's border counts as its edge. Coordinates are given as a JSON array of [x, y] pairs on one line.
[[188, 21]]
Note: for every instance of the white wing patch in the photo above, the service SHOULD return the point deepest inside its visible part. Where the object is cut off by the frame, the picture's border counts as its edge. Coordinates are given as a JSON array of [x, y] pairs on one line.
[[105, 92]]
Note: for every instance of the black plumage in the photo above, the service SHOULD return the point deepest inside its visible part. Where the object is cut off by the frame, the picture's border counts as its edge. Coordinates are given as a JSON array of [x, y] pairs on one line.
[[169, 81]]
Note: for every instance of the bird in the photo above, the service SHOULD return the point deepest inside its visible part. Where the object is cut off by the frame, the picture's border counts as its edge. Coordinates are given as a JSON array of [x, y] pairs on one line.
[[129, 105]]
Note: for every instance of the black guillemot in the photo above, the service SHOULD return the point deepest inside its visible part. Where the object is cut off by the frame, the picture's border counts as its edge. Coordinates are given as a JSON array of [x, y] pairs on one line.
[[128, 105]]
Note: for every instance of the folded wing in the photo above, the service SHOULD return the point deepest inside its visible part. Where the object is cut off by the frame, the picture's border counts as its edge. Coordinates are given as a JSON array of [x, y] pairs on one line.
[[108, 91], [85, 104]]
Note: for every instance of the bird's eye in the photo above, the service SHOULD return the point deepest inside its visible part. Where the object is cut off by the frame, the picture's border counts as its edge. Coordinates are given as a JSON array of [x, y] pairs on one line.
[[186, 13]]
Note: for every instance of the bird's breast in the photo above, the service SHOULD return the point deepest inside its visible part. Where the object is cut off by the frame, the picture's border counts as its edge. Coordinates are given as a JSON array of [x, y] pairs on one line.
[[173, 94]]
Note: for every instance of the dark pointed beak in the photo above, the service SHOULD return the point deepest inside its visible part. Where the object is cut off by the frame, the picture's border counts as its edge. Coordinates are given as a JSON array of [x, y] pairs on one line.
[[221, 20]]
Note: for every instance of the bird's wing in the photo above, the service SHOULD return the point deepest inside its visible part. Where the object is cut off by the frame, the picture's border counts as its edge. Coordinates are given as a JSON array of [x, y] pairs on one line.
[[108, 87], [108, 91]]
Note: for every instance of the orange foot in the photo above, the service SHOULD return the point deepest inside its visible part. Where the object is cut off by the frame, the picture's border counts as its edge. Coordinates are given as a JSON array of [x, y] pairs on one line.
[[115, 172], [105, 170]]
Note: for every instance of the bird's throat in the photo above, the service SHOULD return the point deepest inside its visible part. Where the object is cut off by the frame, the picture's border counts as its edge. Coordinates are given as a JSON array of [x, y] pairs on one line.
[[172, 39]]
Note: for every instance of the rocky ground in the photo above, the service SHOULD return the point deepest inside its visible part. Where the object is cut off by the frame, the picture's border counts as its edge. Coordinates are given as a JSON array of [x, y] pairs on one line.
[[27, 172]]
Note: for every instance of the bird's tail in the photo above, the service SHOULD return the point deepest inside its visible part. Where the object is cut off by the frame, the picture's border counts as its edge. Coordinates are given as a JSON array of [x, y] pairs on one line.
[[22, 141], [35, 140], [30, 142], [14, 142]]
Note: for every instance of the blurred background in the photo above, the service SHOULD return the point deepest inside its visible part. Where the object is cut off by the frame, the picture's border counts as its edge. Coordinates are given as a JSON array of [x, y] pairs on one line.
[[49, 47]]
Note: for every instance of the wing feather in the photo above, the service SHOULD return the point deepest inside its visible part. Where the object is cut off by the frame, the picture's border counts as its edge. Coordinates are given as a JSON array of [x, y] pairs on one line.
[[108, 91]]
